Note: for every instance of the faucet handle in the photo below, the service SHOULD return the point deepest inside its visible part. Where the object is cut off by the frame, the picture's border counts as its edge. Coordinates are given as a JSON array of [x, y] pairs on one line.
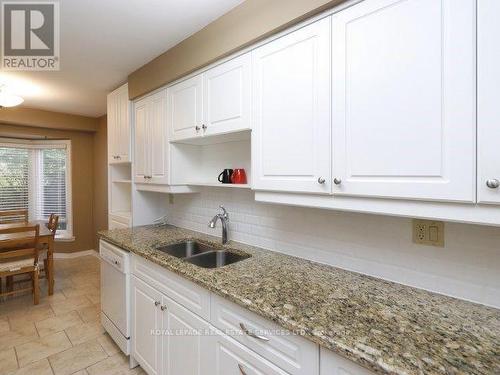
[[224, 212]]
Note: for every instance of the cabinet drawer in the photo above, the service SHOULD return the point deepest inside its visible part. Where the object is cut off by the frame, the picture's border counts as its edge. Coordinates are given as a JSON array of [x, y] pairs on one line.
[[233, 358], [292, 353], [333, 364], [182, 291]]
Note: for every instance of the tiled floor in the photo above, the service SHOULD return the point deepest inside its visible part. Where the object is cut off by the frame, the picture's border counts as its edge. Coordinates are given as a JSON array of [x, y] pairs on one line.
[[62, 335]]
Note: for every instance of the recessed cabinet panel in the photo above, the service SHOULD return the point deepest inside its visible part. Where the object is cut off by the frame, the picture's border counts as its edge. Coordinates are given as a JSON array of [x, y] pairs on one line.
[[488, 108], [124, 127], [403, 99], [291, 112], [150, 139], [145, 319], [227, 102], [159, 142], [188, 342], [185, 108], [141, 141], [118, 107]]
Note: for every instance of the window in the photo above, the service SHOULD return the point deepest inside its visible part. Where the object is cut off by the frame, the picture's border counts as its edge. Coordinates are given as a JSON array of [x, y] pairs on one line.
[[36, 175]]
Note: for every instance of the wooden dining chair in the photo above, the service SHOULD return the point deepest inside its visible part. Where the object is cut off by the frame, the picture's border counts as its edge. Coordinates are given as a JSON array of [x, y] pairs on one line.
[[19, 255], [13, 216], [52, 226]]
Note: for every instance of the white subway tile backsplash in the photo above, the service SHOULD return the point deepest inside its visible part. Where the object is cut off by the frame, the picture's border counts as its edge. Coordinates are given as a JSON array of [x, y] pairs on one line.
[[467, 267]]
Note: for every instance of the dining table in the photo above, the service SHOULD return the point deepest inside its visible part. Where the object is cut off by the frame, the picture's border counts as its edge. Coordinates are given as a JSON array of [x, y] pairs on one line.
[[45, 238]]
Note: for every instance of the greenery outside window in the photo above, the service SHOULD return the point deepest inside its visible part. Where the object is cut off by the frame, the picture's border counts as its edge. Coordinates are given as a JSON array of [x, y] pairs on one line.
[[36, 175]]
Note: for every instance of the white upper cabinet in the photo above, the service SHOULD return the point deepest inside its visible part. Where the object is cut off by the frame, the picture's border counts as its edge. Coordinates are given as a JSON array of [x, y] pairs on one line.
[[488, 111], [150, 140], [291, 127], [403, 99], [159, 143], [118, 108], [141, 141], [214, 102], [226, 98], [185, 108]]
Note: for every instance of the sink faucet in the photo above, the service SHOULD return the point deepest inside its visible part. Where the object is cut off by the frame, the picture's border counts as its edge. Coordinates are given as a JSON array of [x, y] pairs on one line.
[[224, 218]]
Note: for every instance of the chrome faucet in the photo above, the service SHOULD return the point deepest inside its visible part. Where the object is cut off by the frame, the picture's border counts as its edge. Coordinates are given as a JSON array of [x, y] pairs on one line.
[[224, 218]]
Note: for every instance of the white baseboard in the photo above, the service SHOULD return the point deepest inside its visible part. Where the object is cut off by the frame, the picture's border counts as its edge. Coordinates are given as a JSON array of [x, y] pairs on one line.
[[76, 254]]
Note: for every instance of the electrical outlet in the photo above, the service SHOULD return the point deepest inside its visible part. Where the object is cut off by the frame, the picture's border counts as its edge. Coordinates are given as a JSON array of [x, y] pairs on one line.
[[428, 232]]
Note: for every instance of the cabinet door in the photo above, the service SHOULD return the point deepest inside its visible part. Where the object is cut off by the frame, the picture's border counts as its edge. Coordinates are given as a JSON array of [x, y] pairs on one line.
[[123, 124], [185, 108], [141, 141], [186, 347], [112, 128], [158, 171], [333, 364], [227, 96], [488, 109], [291, 141], [231, 358], [403, 99], [146, 319]]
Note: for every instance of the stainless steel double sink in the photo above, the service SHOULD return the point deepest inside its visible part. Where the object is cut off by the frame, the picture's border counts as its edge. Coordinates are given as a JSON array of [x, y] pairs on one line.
[[201, 254]]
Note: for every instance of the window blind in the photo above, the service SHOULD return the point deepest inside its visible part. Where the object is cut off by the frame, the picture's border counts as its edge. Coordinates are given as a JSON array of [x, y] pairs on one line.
[[35, 176], [51, 189], [14, 168]]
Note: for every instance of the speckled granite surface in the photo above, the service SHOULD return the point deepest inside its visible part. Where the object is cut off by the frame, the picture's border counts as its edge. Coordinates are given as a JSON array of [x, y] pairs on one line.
[[384, 326]]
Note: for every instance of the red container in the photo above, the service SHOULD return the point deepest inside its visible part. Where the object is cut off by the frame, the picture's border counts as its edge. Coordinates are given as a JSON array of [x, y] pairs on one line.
[[239, 176]]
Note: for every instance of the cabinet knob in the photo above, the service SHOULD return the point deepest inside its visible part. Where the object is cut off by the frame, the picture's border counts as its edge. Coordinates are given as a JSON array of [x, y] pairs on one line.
[[204, 127], [163, 307], [321, 180], [157, 303], [197, 128], [337, 181], [493, 183]]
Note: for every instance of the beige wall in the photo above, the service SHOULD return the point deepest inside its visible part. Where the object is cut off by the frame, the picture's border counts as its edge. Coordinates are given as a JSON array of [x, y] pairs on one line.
[[46, 119], [100, 153], [245, 24]]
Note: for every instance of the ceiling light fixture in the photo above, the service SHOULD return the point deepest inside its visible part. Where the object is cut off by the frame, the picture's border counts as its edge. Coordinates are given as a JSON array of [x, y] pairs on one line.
[[9, 100]]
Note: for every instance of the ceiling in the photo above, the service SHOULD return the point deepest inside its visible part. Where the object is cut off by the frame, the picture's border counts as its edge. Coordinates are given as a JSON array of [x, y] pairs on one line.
[[102, 42]]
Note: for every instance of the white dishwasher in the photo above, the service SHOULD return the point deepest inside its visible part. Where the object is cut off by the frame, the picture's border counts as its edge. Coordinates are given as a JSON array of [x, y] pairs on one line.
[[115, 296]]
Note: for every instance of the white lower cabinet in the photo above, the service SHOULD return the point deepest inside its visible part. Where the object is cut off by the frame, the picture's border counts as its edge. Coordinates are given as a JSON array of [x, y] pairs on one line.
[[146, 318], [333, 364], [220, 338], [292, 353], [186, 347], [167, 338], [232, 358]]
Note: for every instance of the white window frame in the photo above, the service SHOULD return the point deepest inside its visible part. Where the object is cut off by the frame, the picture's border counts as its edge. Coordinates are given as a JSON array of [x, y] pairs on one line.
[[66, 235]]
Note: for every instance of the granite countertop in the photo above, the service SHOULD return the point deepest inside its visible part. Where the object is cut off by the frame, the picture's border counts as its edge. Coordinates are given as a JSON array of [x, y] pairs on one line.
[[387, 327]]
